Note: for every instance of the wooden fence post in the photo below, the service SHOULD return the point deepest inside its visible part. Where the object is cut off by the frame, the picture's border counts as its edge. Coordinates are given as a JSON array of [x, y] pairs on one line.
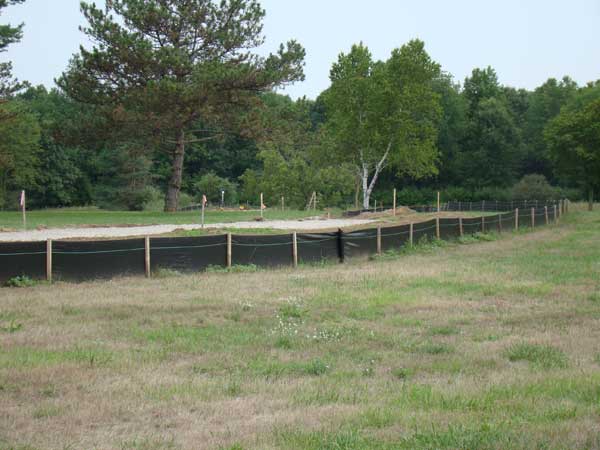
[[147, 256], [562, 208], [460, 226], [202, 213], [437, 227], [394, 206], [379, 240], [483, 224], [229, 250], [499, 223], [516, 219], [49, 260], [410, 239], [261, 205], [532, 217], [546, 213], [438, 202], [555, 218], [295, 248]]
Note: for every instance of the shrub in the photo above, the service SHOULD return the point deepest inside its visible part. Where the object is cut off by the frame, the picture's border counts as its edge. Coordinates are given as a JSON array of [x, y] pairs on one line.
[[211, 185], [20, 281], [155, 200], [534, 187], [185, 199], [415, 196]]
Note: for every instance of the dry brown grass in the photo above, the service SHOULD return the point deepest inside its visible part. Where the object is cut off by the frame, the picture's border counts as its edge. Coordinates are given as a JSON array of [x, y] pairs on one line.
[[411, 351]]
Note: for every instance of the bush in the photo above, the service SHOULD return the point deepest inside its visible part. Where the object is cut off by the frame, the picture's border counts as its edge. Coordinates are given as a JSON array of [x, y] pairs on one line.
[[20, 282], [211, 185], [124, 180], [156, 200], [185, 199], [534, 187], [572, 194], [410, 196]]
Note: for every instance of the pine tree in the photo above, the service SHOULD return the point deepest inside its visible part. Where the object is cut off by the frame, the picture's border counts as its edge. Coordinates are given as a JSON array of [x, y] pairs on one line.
[[173, 63], [8, 35]]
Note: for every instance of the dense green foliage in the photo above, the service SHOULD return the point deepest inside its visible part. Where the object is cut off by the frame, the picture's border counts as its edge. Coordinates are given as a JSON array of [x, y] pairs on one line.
[[574, 140], [191, 111], [384, 114]]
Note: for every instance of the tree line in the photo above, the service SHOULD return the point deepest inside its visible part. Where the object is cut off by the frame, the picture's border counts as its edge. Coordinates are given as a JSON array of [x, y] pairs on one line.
[[173, 102]]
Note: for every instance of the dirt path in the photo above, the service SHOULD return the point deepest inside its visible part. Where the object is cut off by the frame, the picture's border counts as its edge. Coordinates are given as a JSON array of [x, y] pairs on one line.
[[108, 232]]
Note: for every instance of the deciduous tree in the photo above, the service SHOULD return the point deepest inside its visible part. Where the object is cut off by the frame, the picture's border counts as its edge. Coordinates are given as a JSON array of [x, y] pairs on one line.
[[574, 140], [384, 113]]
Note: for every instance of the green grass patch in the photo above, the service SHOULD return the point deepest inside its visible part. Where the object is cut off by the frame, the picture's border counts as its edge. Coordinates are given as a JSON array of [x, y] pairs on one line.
[[21, 357], [434, 348], [543, 356], [236, 268], [69, 217], [445, 330]]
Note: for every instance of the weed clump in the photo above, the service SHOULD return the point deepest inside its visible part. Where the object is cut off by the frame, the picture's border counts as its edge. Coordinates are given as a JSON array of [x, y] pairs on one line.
[[543, 356], [22, 281]]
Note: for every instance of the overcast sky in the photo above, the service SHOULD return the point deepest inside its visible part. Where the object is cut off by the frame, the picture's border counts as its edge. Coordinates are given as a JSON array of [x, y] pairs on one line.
[[526, 41]]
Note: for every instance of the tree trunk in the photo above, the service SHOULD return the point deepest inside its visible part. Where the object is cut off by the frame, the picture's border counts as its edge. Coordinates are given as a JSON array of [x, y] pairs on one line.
[[368, 187], [356, 192], [591, 199], [172, 198], [369, 190], [365, 186]]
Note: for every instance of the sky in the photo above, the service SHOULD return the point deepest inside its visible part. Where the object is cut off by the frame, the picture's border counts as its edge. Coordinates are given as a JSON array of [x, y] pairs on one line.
[[525, 41]]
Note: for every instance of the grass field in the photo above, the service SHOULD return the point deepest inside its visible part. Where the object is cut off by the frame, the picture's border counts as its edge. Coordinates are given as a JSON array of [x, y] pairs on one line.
[[69, 217], [489, 343]]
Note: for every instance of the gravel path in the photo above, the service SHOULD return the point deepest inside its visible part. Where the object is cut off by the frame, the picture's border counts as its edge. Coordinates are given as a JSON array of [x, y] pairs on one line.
[[108, 232]]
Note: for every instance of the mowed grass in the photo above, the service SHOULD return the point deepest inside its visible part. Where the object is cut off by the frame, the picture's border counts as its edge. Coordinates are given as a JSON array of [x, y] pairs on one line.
[[72, 217], [490, 344]]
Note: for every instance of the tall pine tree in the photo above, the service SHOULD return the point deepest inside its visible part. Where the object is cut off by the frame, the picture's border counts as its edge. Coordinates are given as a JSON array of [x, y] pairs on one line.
[[170, 63]]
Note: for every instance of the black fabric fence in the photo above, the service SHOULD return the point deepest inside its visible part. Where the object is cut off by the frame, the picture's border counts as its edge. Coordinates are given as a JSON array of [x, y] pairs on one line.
[[319, 247], [267, 250], [22, 258], [89, 260], [188, 254]]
